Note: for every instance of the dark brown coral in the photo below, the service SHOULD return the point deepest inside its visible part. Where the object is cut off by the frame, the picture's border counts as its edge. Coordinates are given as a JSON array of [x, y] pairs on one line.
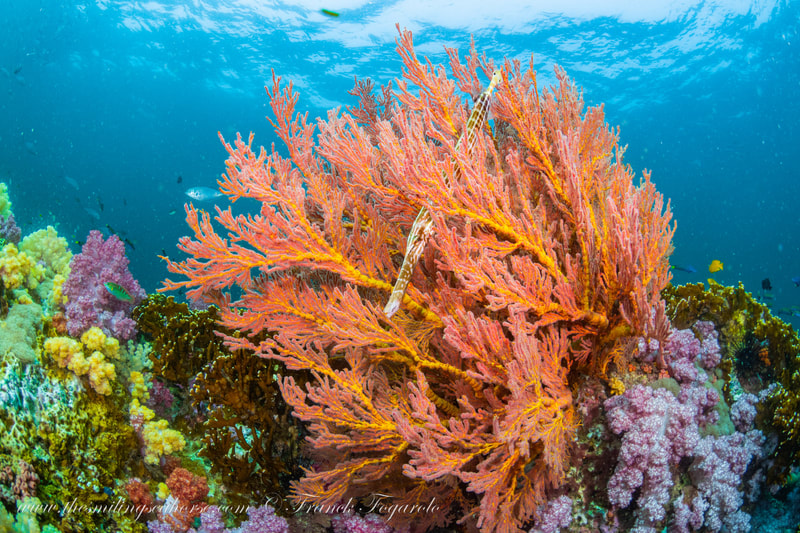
[[247, 432], [183, 340], [250, 437]]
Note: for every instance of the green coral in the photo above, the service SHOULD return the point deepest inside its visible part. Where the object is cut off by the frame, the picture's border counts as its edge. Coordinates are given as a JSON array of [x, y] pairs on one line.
[[45, 247], [5, 202], [756, 345], [134, 357], [78, 442], [20, 330], [22, 523]]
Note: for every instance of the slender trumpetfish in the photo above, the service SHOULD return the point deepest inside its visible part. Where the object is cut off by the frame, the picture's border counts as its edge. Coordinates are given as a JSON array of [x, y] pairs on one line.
[[422, 229]]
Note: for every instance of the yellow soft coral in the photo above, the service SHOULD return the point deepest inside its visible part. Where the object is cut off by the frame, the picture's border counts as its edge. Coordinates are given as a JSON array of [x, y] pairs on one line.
[[101, 373], [69, 353], [159, 440], [141, 412], [17, 269], [617, 386], [95, 340], [163, 491], [138, 386], [46, 246], [111, 347], [57, 297], [62, 349], [78, 364]]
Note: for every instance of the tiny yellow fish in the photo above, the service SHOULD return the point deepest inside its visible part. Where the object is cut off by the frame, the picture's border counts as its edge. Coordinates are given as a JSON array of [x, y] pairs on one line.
[[715, 266]]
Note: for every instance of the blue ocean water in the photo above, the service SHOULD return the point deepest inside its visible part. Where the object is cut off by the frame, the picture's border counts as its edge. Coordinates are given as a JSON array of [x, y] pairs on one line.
[[110, 109]]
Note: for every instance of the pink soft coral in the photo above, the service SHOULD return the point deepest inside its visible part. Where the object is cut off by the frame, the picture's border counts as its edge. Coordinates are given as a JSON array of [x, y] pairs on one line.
[[89, 303]]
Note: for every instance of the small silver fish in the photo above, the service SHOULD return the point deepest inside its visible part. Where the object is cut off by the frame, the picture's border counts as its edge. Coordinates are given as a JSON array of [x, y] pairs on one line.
[[203, 194], [72, 182]]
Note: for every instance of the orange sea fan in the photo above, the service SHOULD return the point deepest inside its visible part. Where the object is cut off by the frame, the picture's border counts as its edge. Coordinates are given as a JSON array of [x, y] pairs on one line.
[[544, 256]]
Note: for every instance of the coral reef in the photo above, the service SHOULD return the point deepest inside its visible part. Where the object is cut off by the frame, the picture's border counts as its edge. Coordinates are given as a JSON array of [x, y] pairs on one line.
[[72, 442], [451, 314]]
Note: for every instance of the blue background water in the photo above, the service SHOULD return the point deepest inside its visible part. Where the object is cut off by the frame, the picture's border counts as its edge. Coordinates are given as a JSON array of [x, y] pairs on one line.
[[106, 104]]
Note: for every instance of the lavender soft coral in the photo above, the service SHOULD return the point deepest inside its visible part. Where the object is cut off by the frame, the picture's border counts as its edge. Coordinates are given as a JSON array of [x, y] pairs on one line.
[[674, 422], [9, 231], [211, 521], [659, 430], [353, 523], [264, 520], [556, 514], [89, 302], [717, 470]]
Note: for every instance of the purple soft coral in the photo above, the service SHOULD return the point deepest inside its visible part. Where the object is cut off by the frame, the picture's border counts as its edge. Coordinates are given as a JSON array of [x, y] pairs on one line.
[[717, 471], [264, 520], [9, 229], [659, 429], [211, 521], [685, 351], [89, 303], [353, 523], [556, 514]]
